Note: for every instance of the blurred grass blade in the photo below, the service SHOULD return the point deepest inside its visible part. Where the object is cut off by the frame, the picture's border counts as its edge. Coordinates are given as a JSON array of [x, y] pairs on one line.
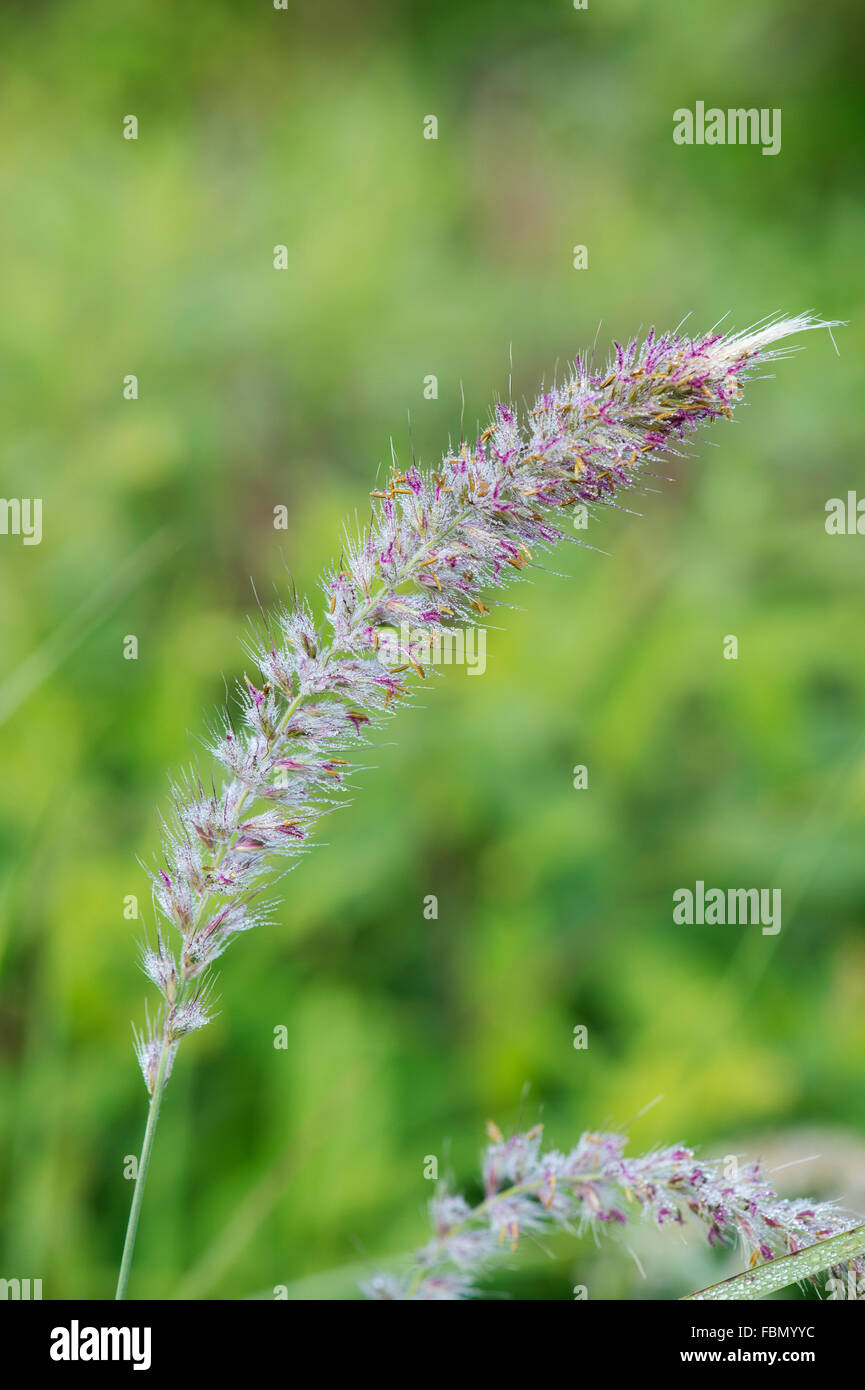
[[790, 1269], [74, 631]]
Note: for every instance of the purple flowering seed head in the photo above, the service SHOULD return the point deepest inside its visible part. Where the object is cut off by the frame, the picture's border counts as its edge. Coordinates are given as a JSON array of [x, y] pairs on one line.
[[437, 541], [596, 1187]]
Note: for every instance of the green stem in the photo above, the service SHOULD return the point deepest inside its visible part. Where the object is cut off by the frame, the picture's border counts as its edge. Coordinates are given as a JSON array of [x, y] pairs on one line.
[[143, 1165]]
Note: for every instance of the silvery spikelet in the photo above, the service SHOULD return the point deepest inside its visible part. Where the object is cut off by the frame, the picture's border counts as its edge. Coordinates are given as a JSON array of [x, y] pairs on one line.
[[437, 542]]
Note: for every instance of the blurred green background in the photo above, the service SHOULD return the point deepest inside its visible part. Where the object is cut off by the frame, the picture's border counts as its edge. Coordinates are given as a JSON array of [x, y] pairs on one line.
[[409, 257]]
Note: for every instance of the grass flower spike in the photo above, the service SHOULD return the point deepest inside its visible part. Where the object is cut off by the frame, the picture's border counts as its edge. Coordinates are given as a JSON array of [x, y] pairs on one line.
[[438, 541], [596, 1186]]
